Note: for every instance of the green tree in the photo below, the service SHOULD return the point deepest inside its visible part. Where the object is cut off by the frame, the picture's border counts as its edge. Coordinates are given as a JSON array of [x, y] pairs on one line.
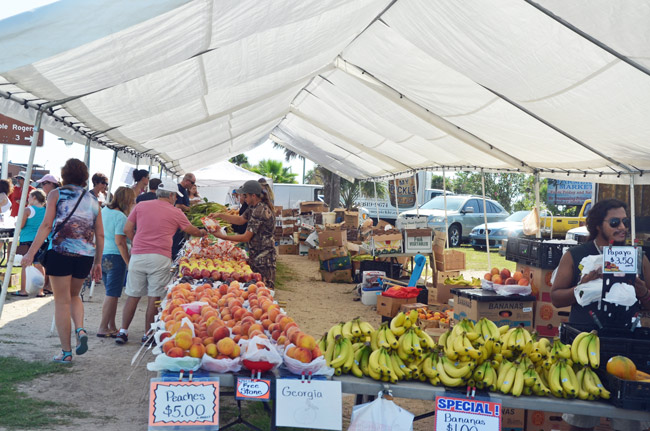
[[276, 171], [351, 191], [240, 160], [527, 200], [437, 183], [505, 188]]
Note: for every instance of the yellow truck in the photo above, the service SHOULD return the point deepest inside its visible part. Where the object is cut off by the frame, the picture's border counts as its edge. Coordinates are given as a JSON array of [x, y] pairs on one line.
[[561, 224]]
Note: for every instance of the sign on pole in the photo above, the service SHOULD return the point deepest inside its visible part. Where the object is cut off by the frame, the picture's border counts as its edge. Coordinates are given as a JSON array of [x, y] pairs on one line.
[[309, 404], [14, 132], [464, 414]]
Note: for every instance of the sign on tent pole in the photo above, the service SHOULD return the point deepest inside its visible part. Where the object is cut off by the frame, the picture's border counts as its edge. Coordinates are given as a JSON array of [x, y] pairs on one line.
[[14, 132]]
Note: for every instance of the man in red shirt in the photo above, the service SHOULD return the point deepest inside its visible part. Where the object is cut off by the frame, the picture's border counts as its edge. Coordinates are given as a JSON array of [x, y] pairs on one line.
[[150, 227], [14, 197]]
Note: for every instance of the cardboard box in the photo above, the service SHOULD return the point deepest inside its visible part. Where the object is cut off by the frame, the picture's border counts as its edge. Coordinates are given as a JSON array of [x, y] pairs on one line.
[[389, 306], [303, 249], [332, 238], [513, 419], [288, 249], [287, 231], [548, 318], [387, 243], [312, 206], [307, 219], [289, 212], [277, 210], [14, 280], [327, 253], [537, 420], [312, 254], [439, 292], [435, 333], [344, 276], [286, 240], [450, 260], [474, 304], [645, 318], [336, 264], [540, 281], [418, 240], [351, 219]]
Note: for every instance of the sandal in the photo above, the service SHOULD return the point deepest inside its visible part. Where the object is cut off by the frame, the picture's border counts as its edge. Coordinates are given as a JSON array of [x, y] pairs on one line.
[[22, 295], [63, 359], [48, 292], [40, 295], [82, 341]]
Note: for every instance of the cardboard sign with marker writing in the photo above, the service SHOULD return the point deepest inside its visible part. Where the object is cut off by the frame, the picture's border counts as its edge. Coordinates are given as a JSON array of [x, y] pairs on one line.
[[253, 389], [463, 414], [184, 403]]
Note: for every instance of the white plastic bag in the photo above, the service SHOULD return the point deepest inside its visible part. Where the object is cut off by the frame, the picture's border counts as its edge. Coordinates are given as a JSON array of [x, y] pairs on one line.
[[34, 280], [621, 294], [318, 366], [590, 263], [589, 292], [381, 414], [164, 362], [209, 363], [259, 349], [511, 289]]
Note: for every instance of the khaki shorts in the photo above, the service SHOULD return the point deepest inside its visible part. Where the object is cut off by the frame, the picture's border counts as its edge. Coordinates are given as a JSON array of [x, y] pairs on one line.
[[149, 275], [583, 421]]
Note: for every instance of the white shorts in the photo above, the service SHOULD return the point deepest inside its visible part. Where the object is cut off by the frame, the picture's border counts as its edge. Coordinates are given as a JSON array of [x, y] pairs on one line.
[[583, 421], [149, 275]]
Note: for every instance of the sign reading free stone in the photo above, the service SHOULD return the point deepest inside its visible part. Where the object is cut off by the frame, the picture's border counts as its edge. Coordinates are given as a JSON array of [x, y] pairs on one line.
[[194, 404], [463, 414], [313, 404]]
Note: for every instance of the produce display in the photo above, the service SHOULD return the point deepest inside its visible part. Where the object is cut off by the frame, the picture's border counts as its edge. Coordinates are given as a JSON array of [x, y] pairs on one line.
[[509, 360], [504, 276], [461, 281], [425, 315], [217, 269], [198, 211]]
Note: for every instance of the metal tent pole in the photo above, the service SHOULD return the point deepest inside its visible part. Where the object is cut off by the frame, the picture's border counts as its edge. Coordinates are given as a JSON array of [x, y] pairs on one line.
[[632, 211], [374, 185], [5, 161], [21, 210], [444, 197], [112, 175], [396, 198], [487, 235], [539, 231], [417, 201]]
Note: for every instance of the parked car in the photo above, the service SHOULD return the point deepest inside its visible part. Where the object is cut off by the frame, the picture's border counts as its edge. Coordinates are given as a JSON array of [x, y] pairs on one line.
[[463, 213], [511, 227], [579, 234]]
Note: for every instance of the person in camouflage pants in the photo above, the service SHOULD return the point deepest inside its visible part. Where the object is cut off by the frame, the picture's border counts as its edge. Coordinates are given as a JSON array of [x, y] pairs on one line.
[[259, 232]]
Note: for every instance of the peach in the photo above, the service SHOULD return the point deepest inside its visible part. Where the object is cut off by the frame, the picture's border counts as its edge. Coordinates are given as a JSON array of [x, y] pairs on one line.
[[208, 340], [276, 334], [211, 350], [510, 280], [282, 339], [266, 323], [226, 346], [488, 276], [306, 341], [220, 332], [524, 281], [495, 270], [284, 322], [315, 353], [517, 275], [197, 340], [167, 346], [175, 352], [184, 340], [505, 274], [255, 327], [292, 334], [303, 355], [197, 350], [223, 289], [496, 279], [236, 351], [291, 351]]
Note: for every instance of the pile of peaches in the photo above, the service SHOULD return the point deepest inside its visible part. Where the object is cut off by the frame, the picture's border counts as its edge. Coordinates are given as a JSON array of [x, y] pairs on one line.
[[504, 276], [224, 321]]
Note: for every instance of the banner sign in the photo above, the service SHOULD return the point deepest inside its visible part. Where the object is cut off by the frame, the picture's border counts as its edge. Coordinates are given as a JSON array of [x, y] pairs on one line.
[[620, 259], [14, 132], [252, 389], [561, 192], [184, 403], [313, 404], [463, 414]]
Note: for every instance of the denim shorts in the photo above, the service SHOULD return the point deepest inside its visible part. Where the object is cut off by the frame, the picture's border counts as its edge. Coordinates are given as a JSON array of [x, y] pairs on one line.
[[113, 272]]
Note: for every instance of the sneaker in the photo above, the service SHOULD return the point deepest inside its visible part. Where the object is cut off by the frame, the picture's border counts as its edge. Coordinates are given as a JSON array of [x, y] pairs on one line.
[[146, 341], [121, 338]]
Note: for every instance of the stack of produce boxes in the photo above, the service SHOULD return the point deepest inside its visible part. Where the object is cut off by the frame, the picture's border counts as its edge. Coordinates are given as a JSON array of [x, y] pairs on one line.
[[335, 263], [448, 264], [287, 243]]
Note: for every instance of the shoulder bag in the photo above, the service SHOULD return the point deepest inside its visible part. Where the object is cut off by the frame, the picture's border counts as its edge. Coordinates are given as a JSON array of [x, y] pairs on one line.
[[42, 259]]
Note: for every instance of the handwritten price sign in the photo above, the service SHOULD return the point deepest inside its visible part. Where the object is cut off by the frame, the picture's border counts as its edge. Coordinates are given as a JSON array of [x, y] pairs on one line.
[[461, 414], [620, 259], [253, 389], [184, 403]]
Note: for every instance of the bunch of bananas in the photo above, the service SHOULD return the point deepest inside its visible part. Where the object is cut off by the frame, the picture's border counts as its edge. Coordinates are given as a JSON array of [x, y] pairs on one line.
[[461, 281], [510, 360]]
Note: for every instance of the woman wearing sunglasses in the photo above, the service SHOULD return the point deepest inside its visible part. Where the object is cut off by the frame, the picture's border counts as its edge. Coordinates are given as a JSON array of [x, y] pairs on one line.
[[607, 223]]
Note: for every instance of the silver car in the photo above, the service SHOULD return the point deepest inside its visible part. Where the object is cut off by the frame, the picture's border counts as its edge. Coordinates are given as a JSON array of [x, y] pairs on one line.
[[511, 227], [463, 213]]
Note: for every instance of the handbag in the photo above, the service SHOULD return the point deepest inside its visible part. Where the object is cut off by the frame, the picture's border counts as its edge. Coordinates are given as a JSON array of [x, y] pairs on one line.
[[42, 258]]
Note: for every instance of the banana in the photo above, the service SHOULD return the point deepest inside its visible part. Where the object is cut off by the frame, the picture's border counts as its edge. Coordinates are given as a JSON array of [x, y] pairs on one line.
[[356, 364], [503, 371], [397, 324], [364, 360], [583, 394], [425, 339], [428, 367], [373, 363], [346, 351], [471, 351], [518, 385], [575, 344], [589, 384], [366, 327], [593, 351], [322, 343], [381, 338], [346, 330], [568, 380], [413, 317], [453, 370], [406, 342], [396, 367], [401, 353], [374, 342], [329, 352], [583, 347], [442, 341], [385, 364], [604, 393], [554, 381], [445, 378], [509, 379], [347, 365], [459, 346], [356, 330], [449, 347], [390, 338], [415, 343], [333, 332], [503, 329]]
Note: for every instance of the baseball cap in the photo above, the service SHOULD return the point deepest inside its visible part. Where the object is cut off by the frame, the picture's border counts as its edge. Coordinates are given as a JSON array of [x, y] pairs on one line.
[[169, 186], [21, 174], [49, 178], [251, 187]]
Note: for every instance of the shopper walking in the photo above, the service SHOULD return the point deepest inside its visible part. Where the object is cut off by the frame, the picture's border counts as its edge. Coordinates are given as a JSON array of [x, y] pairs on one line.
[[115, 259], [151, 194], [100, 184], [150, 227], [73, 218], [607, 223], [32, 219], [141, 178], [48, 183], [259, 234], [183, 203], [5, 202], [17, 192]]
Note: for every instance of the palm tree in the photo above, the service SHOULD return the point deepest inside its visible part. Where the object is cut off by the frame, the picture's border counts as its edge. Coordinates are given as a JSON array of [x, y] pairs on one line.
[[240, 160], [352, 191], [273, 169]]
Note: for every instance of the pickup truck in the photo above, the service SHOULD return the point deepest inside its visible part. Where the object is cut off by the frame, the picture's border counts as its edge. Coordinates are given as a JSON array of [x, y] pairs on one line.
[[562, 224]]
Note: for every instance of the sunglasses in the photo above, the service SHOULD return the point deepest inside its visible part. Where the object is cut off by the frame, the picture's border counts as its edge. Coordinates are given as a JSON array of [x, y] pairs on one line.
[[615, 222], [105, 183], [47, 182]]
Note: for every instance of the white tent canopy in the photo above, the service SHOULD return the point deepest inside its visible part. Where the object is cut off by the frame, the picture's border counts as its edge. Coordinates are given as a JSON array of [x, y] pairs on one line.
[[368, 88], [217, 182]]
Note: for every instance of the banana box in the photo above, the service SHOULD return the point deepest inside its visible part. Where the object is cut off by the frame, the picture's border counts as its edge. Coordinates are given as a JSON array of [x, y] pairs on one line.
[[537, 420], [540, 281], [513, 419], [549, 318], [474, 304], [388, 306]]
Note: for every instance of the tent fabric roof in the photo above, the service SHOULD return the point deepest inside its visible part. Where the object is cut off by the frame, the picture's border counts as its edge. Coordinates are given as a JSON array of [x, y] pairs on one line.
[[369, 88]]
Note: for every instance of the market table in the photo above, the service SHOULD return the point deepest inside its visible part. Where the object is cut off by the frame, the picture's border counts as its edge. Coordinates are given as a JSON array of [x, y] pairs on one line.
[[426, 391]]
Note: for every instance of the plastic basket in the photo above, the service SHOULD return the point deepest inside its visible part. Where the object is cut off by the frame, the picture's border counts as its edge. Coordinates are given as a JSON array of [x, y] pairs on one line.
[[629, 394], [392, 270], [634, 345], [535, 253]]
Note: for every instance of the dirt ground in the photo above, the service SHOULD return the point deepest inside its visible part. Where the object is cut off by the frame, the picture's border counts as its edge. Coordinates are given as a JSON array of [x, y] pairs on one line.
[[105, 384]]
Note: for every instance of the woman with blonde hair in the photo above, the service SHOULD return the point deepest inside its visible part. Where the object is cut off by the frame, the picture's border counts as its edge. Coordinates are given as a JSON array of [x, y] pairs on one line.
[[115, 259], [267, 190], [74, 223]]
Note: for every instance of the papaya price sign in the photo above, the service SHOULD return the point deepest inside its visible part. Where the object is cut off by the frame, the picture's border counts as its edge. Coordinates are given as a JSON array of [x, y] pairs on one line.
[[463, 414], [14, 132], [620, 259]]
